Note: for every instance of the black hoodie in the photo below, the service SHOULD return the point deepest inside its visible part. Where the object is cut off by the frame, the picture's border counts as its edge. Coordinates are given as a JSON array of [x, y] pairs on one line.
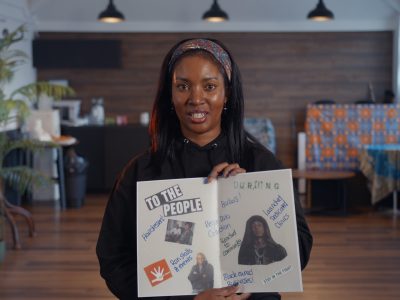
[[116, 246]]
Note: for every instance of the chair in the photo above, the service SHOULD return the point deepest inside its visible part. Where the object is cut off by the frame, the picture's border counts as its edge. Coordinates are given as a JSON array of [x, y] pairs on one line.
[[11, 210], [14, 159], [263, 130]]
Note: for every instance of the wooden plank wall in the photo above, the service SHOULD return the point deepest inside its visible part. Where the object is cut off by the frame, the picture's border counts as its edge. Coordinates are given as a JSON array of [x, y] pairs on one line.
[[281, 72]]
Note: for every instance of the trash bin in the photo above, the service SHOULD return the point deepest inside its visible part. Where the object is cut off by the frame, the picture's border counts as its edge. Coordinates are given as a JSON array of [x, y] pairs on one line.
[[75, 168]]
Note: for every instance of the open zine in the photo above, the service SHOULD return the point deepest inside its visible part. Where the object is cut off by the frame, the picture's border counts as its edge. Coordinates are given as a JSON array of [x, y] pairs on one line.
[[194, 235]]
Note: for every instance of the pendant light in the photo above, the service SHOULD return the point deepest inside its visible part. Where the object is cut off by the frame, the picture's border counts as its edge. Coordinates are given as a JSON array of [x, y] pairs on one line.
[[111, 14], [215, 14], [320, 13]]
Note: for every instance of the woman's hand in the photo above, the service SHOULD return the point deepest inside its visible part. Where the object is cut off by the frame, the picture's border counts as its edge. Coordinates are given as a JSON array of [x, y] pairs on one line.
[[224, 169], [228, 293]]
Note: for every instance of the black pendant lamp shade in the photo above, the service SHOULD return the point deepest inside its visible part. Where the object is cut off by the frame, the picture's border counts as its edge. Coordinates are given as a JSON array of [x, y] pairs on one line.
[[111, 14], [320, 13], [215, 14]]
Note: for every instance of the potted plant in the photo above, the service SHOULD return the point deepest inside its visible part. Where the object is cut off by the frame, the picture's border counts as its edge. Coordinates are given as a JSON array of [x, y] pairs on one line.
[[13, 110]]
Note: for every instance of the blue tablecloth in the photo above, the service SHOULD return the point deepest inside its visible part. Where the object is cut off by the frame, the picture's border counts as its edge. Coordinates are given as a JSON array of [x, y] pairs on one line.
[[381, 165]]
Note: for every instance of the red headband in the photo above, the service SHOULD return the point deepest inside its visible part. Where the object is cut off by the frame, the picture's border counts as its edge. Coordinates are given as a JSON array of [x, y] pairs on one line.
[[211, 47]]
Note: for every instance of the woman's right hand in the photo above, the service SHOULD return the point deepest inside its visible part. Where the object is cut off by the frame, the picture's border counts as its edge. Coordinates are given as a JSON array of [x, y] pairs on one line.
[[228, 293], [225, 169]]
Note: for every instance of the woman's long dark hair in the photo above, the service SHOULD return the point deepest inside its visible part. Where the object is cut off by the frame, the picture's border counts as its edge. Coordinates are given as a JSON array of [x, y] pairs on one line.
[[165, 128]]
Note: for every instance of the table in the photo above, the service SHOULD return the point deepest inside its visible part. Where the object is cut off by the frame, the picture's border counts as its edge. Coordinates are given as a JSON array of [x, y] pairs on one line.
[[381, 165], [310, 175]]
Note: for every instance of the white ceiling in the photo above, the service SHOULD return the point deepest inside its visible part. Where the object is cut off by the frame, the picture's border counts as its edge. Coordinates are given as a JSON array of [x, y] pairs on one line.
[[185, 15]]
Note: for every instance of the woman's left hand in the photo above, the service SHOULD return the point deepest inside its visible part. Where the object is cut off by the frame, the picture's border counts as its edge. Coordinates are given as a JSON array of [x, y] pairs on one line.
[[224, 169]]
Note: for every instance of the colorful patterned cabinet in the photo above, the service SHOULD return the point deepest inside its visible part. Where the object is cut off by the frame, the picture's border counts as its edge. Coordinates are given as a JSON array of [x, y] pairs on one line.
[[336, 133]]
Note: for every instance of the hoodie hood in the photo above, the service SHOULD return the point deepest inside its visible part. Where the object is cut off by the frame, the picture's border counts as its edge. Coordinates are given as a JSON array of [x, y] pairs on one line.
[[198, 161]]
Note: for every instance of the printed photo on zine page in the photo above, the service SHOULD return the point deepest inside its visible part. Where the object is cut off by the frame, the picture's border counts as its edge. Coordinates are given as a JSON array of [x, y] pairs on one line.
[[193, 236]]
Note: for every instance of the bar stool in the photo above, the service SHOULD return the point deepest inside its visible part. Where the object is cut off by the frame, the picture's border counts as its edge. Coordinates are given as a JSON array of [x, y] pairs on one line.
[[62, 142], [61, 177]]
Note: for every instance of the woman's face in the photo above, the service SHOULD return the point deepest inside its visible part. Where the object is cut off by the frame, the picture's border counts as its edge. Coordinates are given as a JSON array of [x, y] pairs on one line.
[[258, 228], [200, 259], [198, 95]]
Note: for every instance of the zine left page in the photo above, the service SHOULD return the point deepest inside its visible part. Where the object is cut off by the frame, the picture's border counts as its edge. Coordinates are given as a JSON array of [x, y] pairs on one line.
[[176, 220]]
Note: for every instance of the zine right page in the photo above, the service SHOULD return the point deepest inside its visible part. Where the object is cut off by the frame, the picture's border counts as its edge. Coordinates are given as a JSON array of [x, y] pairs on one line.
[[259, 250]]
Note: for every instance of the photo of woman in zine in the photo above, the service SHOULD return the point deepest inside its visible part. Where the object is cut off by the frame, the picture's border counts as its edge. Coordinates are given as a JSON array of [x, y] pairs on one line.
[[202, 274], [173, 231], [258, 247]]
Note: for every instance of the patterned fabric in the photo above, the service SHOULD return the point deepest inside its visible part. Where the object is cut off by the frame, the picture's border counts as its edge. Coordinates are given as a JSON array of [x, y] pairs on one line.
[[263, 130], [381, 165], [336, 133], [202, 44]]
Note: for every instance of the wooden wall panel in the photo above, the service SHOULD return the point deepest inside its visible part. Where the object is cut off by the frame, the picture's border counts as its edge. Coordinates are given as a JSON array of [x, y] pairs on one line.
[[281, 72]]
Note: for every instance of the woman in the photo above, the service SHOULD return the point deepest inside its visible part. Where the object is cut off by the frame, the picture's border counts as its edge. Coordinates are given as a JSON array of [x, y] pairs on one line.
[[202, 274], [186, 235], [258, 247], [196, 131]]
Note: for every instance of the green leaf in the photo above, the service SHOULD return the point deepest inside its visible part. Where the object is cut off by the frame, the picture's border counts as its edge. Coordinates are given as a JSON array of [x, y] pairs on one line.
[[12, 38], [34, 90], [7, 145], [22, 178]]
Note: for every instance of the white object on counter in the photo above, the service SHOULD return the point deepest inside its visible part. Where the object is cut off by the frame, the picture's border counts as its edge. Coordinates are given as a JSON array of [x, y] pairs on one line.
[[97, 112], [144, 118], [42, 122]]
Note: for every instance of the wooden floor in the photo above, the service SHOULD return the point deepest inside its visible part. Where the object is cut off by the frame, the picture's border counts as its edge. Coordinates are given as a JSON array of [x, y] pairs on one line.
[[355, 257]]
